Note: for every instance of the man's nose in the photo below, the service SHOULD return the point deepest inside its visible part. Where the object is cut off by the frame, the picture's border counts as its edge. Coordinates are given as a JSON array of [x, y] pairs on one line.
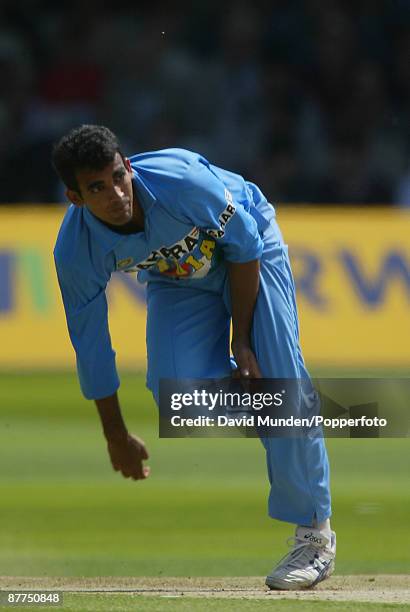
[[116, 192]]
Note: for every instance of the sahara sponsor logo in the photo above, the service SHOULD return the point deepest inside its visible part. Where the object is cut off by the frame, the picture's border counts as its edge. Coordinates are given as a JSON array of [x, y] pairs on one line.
[[192, 255], [224, 218], [174, 252]]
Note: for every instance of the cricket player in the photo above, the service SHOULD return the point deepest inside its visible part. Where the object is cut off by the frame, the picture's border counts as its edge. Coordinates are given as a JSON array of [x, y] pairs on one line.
[[207, 244]]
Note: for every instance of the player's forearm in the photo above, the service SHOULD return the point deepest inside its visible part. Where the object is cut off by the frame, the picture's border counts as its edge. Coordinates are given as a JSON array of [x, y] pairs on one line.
[[111, 418], [244, 286]]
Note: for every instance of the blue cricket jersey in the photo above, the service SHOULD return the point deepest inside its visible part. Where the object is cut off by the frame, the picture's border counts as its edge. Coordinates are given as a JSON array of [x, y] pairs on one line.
[[196, 216]]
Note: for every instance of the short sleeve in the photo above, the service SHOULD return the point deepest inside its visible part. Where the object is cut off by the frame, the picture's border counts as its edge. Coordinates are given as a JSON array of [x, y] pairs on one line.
[[205, 201]]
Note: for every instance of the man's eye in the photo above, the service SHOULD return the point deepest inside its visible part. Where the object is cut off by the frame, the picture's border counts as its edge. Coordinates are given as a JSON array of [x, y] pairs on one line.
[[95, 189]]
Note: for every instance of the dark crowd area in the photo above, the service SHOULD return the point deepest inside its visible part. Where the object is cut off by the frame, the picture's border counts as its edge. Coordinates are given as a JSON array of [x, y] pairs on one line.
[[308, 98]]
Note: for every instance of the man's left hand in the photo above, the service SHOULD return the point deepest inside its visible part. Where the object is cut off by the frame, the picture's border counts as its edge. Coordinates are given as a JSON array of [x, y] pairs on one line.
[[246, 361]]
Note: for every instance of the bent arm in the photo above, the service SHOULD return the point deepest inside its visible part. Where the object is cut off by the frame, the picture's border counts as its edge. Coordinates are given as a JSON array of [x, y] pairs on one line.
[[86, 311], [244, 287]]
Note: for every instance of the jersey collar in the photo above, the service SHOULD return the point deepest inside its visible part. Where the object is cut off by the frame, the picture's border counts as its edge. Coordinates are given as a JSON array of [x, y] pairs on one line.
[[106, 238], [145, 195]]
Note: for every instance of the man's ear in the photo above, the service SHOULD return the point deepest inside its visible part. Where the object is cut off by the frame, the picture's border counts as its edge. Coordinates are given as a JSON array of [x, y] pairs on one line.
[[127, 164], [74, 197]]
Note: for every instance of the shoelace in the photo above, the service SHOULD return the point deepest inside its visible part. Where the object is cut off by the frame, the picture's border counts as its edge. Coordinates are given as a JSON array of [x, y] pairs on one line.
[[301, 551]]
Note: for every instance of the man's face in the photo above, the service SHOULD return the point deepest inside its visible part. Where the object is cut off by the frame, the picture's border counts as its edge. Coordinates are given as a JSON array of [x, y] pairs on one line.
[[107, 193]]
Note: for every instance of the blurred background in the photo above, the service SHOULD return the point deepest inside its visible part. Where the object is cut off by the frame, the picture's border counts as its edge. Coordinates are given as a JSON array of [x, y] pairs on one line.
[[310, 99]]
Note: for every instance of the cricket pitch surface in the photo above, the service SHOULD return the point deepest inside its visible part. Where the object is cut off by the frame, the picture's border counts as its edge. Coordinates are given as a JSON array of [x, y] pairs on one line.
[[379, 588]]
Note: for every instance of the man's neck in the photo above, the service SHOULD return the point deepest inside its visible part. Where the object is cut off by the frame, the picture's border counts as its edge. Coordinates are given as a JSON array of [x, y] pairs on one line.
[[137, 211]]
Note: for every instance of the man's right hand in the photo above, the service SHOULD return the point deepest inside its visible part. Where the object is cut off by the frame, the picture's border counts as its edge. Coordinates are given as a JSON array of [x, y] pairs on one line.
[[127, 454]]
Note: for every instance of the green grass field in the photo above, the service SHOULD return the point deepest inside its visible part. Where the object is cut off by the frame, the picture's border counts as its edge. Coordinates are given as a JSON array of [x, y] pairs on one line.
[[92, 603], [64, 512]]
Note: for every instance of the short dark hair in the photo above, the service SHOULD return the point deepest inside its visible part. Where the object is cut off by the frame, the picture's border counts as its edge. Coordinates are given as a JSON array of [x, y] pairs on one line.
[[89, 147]]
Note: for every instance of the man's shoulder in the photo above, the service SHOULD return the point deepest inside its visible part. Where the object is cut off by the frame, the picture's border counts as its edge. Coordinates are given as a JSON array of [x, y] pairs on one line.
[[172, 163]]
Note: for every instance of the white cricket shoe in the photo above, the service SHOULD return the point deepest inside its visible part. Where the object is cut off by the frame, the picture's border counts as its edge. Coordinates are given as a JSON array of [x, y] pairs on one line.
[[311, 560]]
